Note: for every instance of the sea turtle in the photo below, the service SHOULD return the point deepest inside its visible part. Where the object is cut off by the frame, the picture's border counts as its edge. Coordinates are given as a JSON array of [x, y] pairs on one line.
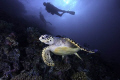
[[59, 46]]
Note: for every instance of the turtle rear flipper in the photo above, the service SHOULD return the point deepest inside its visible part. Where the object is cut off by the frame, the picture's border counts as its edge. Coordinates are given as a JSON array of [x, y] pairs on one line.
[[46, 57], [78, 56]]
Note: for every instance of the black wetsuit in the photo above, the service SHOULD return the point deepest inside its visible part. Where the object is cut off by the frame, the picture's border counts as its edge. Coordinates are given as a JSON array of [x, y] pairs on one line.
[[51, 9], [54, 10]]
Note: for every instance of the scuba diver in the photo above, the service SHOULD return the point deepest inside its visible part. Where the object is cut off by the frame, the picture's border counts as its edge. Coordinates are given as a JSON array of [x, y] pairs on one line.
[[54, 10], [43, 19]]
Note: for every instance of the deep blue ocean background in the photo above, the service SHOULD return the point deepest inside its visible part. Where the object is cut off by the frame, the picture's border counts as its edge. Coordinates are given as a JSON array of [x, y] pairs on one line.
[[95, 25]]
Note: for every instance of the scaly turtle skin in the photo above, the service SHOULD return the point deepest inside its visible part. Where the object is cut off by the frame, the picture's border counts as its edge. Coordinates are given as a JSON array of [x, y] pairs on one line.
[[59, 46]]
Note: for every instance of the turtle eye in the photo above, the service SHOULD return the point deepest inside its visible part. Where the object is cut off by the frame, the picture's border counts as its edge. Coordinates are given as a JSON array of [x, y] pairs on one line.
[[43, 38], [47, 36]]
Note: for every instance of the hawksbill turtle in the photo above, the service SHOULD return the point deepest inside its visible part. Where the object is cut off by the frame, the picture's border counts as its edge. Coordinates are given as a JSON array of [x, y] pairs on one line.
[[59, 46]]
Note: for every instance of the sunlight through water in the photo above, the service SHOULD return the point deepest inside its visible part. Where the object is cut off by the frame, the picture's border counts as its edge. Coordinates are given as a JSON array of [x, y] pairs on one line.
[[66, 4]]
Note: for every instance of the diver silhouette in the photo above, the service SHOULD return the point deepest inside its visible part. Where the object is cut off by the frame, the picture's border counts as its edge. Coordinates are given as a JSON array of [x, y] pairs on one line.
[[43, 19], [54, 10]]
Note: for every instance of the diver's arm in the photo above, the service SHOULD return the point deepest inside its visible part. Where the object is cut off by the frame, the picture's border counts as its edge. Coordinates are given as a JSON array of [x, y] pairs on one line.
[[49, 23]]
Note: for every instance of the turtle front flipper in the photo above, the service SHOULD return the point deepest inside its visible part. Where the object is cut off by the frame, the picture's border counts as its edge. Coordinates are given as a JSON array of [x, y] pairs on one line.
[[46, 57]]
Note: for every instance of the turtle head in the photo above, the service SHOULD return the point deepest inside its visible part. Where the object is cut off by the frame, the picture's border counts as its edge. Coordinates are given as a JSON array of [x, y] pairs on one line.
[[47, 39]]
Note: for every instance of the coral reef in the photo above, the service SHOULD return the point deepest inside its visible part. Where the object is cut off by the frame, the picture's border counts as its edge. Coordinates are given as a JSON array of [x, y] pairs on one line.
[[26, 76], [20, 59], [62, 66], [79, 76]]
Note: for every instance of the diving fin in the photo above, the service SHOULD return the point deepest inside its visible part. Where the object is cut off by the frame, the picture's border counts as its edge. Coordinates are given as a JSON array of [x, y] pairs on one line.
[[71, 12]]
